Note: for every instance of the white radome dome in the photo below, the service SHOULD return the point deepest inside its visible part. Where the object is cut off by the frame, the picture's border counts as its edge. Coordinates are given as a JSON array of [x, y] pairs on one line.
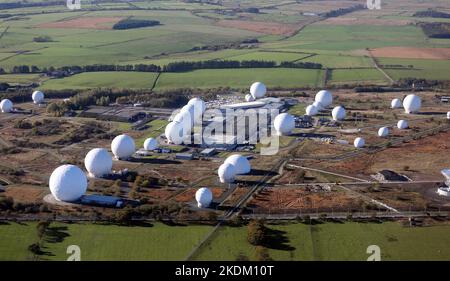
[[258, 90], [227, 173], [324, 97], [240, 163], [174, 133], [249, 98], [338, 113], [318, 105], [68, 183], [196, 108], [98, 162], [284, 123], [383, 132], [396, 103], [193, 113], [198, 103], [38, 97], [359, 143], [204, 197], [412, 104], [402, 124], [150, 144], [184, 118], [6, 106], [311, 110], [123, 146]]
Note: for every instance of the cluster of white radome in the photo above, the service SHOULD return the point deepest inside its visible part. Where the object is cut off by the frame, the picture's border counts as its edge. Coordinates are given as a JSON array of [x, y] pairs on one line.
[[411, 104], [6, 105], [182, 124], [322, 100], [234, 165]]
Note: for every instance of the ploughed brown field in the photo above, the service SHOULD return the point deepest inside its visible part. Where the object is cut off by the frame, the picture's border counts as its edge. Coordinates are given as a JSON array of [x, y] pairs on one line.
[[412, 53], [261, 27], [364, 21], [83, 22]]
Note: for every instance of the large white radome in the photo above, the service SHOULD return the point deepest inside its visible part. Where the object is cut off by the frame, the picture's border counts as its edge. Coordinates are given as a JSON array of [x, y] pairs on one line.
[[249, 98], [311, 110], [324, 97], [38, 97], [6, 106], [174, 133], [359, 143], [123, 146], [318, 105], [227, 173], [258, 90], [240, 163], [396, 103], [338, 113], [412, 104], [98, 162], [383, 132], [195, 111], [284, 123], [204, 197], [68, 183], [185, 120], [402, 124], [150, 144]]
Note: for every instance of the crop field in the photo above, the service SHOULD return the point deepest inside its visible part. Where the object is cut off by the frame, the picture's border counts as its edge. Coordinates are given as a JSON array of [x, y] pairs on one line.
[[418, 68], [372, 76], [329, 241], [179, 31], [134, 80], [241, 78]]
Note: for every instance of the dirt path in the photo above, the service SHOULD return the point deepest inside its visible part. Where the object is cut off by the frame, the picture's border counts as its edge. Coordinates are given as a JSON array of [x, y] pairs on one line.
[[375, 63]]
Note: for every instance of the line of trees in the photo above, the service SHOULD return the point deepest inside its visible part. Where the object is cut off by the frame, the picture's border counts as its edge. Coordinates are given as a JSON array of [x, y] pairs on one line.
[[436, 29], [180, 66], [431, 14], [343, 11], [130, 23]]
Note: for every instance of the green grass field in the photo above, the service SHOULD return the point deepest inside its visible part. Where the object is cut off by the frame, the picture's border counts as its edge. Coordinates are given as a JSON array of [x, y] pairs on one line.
[[335, 241], [290, 241], [372, 76], [134, 80], [417, 68], [241, 78], [103, 242]]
